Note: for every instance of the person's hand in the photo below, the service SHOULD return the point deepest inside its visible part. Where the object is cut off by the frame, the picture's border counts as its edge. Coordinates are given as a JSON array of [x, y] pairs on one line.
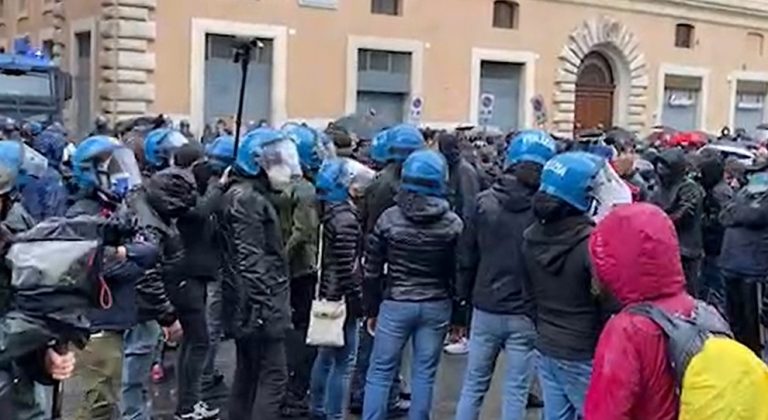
[[122, 253], [370, 325], [224, 179], [59, 366], [173, 332]]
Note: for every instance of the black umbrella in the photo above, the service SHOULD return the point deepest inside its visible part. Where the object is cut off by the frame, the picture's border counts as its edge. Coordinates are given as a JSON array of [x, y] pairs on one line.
[[362, 126]]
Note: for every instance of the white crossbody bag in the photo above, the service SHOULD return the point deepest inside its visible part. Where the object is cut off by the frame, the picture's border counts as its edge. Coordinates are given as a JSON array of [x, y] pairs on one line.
[[326, 320]]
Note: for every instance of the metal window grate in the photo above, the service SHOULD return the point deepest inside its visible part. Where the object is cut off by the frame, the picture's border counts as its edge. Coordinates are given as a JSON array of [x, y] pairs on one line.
[[505, 14]]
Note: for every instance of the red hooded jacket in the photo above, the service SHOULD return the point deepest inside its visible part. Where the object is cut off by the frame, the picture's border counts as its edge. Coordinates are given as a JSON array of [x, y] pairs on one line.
[[635, 255]]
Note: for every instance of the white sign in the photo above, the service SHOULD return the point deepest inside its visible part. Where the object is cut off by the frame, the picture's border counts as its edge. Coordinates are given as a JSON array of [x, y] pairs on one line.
[[487, 101], [417, 104]]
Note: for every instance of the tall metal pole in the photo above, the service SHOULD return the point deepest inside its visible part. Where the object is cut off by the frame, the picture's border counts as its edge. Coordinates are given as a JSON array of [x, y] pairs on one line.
[[243, 56]]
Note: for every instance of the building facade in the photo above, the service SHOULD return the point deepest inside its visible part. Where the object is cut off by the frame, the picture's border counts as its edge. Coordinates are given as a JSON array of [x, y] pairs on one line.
[[561, 64]]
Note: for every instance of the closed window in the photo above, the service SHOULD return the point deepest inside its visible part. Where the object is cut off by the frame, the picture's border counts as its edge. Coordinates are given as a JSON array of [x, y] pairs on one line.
[[684, 35], [505, 14], [385, 7], [755, 43]]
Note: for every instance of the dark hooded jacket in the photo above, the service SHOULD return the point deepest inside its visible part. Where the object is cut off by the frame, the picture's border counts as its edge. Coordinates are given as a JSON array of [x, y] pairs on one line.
[[682, 199], [717, 195], [568, 311], [255, 289], [341, 252], [170, 195], [492, 266], [417, 242], [380, 195], [198, 234], [745, 242]]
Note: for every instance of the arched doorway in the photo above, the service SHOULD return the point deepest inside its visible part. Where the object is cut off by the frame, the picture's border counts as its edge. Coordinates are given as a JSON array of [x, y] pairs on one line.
[[595, 89]]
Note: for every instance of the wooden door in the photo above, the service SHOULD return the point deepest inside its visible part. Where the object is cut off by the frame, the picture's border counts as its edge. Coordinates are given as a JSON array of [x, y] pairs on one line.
[[594, 93]]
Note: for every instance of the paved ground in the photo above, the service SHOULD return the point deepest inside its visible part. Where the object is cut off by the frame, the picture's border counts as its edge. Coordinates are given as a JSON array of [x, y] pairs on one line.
[[446, 395]]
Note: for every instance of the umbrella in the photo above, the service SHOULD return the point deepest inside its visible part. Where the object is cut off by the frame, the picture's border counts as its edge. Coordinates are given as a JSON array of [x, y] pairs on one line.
[[362, 126]]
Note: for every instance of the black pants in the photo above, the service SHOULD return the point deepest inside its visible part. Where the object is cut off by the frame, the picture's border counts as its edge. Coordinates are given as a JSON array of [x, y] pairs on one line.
[[692, 272], [195, 344], [742, 307], [301, 355], [259, 375]]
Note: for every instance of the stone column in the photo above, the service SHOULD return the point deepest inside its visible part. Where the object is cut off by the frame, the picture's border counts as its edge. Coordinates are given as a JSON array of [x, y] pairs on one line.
[[58, 19], [126, 61]]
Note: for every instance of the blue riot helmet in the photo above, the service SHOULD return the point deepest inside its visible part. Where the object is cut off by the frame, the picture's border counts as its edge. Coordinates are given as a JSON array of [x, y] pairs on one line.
[[425, 172], [379, 148], [400, 141], [530, 146], [313, 145], [103, 164], [571, 178], [221, 152], [340, 178], [270, 151], [10, 163], [160, 145]]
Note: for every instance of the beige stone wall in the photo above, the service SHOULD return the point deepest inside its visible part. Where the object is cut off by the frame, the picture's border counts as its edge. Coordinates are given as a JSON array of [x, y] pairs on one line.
[[154, 59]]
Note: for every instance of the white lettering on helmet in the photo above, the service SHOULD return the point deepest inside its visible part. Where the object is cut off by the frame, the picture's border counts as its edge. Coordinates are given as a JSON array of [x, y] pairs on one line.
[[556, 167]]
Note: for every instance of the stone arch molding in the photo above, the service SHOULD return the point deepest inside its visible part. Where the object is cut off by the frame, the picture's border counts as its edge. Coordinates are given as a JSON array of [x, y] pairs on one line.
[[617, 43]]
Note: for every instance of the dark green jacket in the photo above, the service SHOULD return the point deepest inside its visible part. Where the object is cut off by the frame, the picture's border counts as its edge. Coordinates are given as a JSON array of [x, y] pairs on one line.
[[299, 223]]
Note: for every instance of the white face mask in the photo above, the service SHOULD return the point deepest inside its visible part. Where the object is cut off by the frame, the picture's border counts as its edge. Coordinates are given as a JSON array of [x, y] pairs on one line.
[[280, 161]]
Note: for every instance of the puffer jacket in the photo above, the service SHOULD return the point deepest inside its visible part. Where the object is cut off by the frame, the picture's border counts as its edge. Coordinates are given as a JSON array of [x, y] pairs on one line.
[[492, 266], [299, 224], [380, 195], [634, 252], [417, 242], [568, 311], [255, 289], [682, 199], [341, 251], [745, 242]]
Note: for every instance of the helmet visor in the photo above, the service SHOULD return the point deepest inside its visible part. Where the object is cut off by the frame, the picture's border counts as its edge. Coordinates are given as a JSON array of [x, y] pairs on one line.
[[609, 191], [361, 177], [280, 161], [120, 172]]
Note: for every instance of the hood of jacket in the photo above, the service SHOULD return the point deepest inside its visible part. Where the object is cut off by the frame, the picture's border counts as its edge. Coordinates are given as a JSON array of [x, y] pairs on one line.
[[421, 208], [674, 160], [635, 254], [550, 243], [513, 195], [172, 192]]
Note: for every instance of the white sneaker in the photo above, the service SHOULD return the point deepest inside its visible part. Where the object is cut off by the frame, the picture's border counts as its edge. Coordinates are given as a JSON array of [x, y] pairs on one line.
[[459, 347], [206, 411]]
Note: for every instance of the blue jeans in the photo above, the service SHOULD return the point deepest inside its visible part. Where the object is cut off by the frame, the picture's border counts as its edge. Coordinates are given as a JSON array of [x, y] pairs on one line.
[[489, 335], [330, 375], [362, 363], [564, 384], [139, 346], [425, 323]]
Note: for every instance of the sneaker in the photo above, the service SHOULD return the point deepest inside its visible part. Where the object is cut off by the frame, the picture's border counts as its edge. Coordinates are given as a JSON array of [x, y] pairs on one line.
[[206, 411], [399, 409], [459, 347]]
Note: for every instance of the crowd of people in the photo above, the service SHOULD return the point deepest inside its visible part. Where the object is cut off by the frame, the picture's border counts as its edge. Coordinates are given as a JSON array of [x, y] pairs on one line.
[[342, 266]]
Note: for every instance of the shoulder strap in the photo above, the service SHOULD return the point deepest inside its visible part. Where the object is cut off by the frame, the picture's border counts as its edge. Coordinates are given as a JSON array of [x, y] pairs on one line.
[[685, 336], [319, 261]]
